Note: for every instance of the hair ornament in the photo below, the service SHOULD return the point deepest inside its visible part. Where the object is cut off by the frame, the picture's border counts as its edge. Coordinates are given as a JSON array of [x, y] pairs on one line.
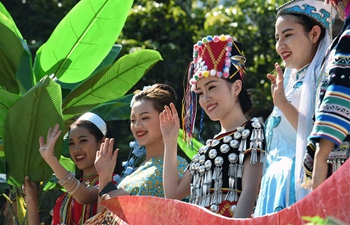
[[138, 92]]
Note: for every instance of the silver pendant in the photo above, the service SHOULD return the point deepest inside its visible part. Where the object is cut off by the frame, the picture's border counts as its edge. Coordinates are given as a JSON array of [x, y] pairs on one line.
[[215, 143], [224, 148], [213, 153], [227, 139], [234, 143]]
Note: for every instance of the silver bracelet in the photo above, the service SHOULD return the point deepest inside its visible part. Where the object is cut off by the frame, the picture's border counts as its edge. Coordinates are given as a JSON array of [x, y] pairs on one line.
[[67, 179], [75, 186]]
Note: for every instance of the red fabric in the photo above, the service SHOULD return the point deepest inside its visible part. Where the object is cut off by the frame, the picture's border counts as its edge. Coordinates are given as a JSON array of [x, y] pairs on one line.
[[331, 198], [216, 48], [225, 208], [76, 209]]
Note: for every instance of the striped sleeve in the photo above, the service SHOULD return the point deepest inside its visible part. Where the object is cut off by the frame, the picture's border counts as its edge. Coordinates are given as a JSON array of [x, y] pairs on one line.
[[333, 116]]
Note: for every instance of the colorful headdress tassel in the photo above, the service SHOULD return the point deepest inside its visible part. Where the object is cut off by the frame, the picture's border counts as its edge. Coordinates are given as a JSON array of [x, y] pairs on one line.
[[189, 107]]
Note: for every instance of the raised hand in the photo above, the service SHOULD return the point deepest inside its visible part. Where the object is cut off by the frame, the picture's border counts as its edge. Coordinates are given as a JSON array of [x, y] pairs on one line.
[[29, 189], [277, 88], [106, 159], [169, 123], [47, 149]]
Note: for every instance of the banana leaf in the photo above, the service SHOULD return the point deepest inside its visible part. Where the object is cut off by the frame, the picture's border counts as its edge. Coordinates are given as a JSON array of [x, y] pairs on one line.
[[14, 54], [11, 23], [24, 72], [7, 99], [107, 61], [110, 58], [119, 77], [82, 39], [118, 109], [190, 149], [28, 119]]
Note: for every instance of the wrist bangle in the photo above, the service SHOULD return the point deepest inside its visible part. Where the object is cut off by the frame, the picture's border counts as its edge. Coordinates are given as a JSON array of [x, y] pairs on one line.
[[108, 188]]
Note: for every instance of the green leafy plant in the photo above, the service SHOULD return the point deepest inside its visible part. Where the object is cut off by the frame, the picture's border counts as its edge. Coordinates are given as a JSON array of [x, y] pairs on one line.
[[73, 72], [317, 220]]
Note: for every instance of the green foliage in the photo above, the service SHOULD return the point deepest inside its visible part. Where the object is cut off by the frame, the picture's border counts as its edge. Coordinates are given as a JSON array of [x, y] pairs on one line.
[[117, 109], [317, 220], [38, 110], [190, 149], [14, 56], [52, 183], [7, 99], [77, 36], [83, 37], [109, 83]]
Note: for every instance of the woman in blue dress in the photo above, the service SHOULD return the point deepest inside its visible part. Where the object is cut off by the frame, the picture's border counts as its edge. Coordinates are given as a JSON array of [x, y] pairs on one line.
[[302, 33]]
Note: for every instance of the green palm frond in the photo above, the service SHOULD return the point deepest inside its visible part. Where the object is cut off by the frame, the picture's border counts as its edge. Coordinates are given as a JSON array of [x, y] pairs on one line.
[[78, 44], [109, 83], [31, 117]]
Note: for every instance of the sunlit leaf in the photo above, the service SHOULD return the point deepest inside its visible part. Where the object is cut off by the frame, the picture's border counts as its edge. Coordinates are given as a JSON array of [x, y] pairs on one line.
[[31, 117], [107, 61], [119, 77], [11, 24], [79, 42]]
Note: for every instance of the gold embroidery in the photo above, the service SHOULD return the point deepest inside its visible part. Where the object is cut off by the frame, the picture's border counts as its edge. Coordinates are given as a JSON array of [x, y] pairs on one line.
[[215, 62]]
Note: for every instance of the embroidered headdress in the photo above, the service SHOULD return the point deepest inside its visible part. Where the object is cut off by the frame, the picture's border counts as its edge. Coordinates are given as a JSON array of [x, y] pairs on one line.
[[217, 56], [315, 9]]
